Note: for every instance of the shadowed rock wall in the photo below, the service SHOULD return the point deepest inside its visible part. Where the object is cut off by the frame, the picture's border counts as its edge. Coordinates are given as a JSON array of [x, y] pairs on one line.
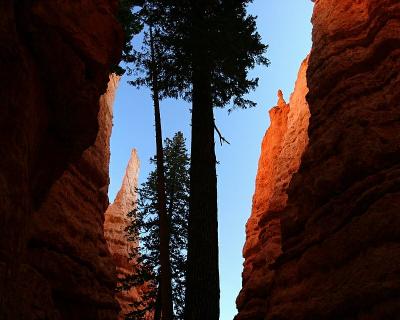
[[67, 244], [55, 57], [341, 227]]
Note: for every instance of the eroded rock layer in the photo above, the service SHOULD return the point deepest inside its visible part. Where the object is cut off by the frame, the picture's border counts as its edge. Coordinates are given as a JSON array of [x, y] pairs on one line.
[[67, 244], [341, 227], [55, 58], [116, 221], [282, 147]]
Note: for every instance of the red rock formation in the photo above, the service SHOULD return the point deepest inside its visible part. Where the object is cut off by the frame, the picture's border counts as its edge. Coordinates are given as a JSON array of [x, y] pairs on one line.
[[116, 220], [67, 231], [281, 150], [55, 57], [341, 227]]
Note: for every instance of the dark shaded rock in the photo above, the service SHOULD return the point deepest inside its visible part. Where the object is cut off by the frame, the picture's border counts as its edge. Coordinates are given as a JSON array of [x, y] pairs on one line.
[[55, 57]]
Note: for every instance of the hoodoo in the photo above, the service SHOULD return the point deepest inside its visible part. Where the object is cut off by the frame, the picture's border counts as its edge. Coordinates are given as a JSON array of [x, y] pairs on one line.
[[329, 248], [116, 221]]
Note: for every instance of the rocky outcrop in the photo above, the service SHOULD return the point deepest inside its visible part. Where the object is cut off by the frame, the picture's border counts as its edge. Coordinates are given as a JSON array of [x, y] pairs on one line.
[[281, 151], [341, 227], [116, 221], [66, 243], [55, 57]]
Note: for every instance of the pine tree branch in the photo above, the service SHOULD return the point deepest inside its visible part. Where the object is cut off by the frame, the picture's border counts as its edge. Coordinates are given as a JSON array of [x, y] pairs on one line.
[[221, 137]]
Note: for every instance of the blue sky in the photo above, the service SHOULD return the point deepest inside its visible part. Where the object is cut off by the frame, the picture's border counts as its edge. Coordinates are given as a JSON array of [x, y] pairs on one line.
[[285, 26]]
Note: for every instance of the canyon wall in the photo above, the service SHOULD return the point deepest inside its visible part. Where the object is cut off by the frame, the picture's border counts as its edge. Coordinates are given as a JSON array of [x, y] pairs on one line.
[[281, 151], [66, 243], [55, 58], [340, 228], [116, 221]]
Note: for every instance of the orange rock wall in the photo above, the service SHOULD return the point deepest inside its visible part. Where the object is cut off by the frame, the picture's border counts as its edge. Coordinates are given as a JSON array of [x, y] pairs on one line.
[[55, 58], [282, 147], [116, 221], [66, 243], [340, 229]]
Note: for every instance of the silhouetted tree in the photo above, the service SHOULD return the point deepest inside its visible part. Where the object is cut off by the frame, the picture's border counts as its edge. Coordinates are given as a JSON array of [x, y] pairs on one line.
[[147, 66], [131, 24], [144, 230], [205, 49], [210, 45]]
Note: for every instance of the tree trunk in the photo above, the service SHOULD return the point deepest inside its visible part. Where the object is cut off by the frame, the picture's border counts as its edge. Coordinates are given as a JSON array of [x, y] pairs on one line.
[[202, 292], [157, 309], [164, 225]]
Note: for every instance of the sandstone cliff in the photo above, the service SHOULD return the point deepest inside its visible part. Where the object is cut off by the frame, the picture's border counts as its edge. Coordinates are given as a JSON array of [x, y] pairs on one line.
[[55, 57], [341, 226], [66, 243], [116, 220], [282, 148]]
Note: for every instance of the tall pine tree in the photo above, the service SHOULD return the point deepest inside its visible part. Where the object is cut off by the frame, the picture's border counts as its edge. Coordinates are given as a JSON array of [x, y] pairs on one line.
[[206, 48], [210, 46], [148, 68], [144, 230]]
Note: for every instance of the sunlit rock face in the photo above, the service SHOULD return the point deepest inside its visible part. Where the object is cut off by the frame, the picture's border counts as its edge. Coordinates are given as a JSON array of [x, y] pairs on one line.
[[55, 58], [341, 227], [116, 221], [66, 243], [281, 151]]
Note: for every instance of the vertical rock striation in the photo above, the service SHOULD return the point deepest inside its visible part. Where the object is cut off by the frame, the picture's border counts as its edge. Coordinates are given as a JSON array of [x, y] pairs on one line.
[[66, 244], [341, 227], [281, 151], [55, 58], [116, 220]]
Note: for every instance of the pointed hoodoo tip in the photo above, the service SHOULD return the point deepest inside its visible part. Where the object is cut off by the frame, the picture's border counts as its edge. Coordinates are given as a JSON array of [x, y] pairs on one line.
[[134, 153], [281, 100], [134, 159]]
